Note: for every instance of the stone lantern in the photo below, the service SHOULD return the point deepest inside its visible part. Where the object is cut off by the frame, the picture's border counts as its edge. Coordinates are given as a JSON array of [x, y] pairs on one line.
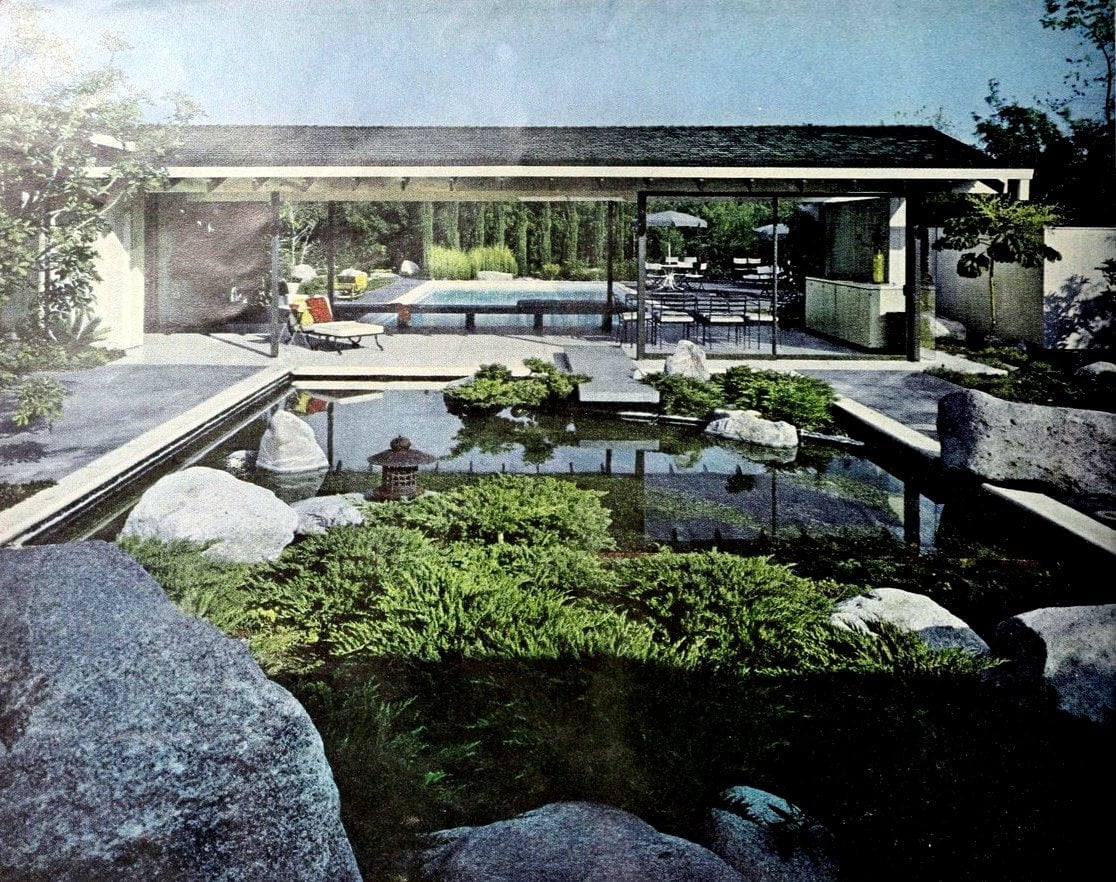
[[400, 470]]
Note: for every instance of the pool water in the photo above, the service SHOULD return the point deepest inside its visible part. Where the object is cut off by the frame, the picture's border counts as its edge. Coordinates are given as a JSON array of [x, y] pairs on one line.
[[481, 293]]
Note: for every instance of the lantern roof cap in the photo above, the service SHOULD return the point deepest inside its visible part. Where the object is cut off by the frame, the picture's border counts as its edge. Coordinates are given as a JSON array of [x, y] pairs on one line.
[[401, 454]]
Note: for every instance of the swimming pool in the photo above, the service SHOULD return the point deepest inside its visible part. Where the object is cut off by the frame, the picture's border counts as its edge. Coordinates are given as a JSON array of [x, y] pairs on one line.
[[502, 299]]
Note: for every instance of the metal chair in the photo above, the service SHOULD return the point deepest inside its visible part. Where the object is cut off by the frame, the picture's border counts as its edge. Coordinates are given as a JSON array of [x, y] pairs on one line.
[[721, 311], [673, 309]]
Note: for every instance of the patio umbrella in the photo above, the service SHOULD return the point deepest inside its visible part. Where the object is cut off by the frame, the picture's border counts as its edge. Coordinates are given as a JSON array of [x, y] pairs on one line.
[[674, 219], [765, 232]]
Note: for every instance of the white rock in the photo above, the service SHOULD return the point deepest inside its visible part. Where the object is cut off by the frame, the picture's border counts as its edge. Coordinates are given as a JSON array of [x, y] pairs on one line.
[[947, 329], [750, 427], [408, 268], [1096, 369], [1068, 449], [320, 513], [687, 360], [289, 445], [1070, 648], [247, 523], [937, 626]]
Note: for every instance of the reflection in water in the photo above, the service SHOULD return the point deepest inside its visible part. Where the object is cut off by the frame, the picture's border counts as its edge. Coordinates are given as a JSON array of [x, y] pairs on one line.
[[687, 487]]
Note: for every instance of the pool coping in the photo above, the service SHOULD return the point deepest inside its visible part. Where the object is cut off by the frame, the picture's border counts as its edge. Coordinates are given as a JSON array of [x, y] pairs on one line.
[[81, 489]]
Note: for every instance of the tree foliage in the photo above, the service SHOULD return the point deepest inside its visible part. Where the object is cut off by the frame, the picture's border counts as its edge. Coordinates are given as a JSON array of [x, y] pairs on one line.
[[73, 147], [1002, 230]]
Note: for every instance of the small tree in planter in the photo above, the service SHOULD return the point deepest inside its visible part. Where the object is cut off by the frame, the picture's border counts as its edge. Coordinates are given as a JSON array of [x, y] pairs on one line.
[[1009, 231]]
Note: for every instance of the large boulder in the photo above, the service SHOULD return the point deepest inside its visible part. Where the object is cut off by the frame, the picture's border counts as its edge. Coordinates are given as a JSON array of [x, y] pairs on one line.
[[1066, 449], [569, 842], [1072, 649], [748, 426], [322, 513], [1097, 370], [766, 839], [687, 360], [142, 744], [245, 523], [288, 445], [408, 268], [937, 626]]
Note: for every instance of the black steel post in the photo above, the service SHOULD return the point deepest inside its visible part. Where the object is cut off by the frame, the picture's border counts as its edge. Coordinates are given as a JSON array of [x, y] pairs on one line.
[[275, 305], [910, 272], [775, 278], [331, 254], [641, 267], [610, 233]]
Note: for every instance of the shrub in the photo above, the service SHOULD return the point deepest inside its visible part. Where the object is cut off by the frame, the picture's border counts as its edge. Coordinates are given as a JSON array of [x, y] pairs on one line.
[[686, 396], [493, 388], [579, 273], [498, 258], [550, 271], [513, 509], [36, 398], [449, 263], [802, 401], [1033, 379]]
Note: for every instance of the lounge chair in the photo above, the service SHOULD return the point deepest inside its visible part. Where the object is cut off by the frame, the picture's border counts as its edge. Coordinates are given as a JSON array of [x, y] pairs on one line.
[[313, 320]]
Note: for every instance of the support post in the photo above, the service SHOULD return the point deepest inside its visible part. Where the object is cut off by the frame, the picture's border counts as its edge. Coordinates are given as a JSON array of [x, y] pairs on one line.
[[641, 268], [910, 272], [331, 253], [775, 281], [610, 232], [275, 305]]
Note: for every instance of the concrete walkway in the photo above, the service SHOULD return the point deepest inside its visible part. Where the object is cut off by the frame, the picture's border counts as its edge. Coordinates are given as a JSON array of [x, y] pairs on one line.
[[114, 404]]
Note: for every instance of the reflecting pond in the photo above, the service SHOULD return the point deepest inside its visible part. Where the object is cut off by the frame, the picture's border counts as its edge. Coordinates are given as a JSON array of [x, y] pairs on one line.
[[678, 486]]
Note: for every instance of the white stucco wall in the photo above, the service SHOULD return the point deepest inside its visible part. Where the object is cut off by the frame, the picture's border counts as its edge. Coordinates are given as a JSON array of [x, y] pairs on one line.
[[1076, 294], [1049, 305], [1018, 296], [119, 294]]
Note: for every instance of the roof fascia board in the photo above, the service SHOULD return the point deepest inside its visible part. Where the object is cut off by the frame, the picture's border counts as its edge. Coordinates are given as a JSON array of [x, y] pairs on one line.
[[616, 172]]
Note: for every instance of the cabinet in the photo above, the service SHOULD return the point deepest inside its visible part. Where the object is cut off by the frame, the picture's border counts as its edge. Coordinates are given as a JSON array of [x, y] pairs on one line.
[[852, 311]]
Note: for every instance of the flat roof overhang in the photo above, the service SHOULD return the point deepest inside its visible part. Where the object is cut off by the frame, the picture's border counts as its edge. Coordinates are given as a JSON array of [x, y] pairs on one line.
[[509, 182]]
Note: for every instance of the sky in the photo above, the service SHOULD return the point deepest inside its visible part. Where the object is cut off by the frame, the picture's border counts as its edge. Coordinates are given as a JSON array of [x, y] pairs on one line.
[[579, 62]]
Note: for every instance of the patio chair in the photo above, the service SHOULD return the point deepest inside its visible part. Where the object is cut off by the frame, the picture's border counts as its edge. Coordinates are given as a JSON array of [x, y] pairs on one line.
[[746, 266], [694, 277], [313, 321], [720, 311], [673, 309]]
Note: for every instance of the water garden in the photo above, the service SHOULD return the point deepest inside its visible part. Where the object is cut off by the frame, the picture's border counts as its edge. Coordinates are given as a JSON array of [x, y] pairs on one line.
[[634, 614]]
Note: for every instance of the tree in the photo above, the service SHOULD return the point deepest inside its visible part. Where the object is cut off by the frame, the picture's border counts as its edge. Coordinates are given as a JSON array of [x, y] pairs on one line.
[[426, 223], [570, 251], [1073, 154], [1093, 22], [1006, 231], [74, 148], [522, 222]]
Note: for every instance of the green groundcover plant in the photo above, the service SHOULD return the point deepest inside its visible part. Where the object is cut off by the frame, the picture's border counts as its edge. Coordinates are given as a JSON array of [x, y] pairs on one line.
[[466, 661], [1049, 379], [801, 401], [493, 387]]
